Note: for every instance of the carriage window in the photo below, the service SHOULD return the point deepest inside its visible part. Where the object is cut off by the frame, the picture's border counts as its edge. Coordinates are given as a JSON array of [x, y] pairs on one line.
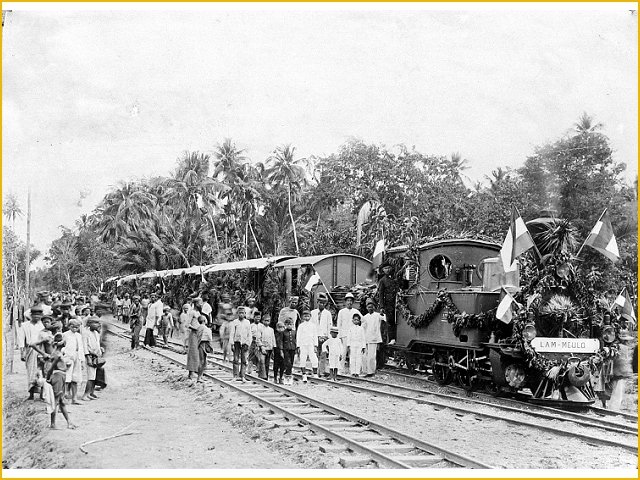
[[440, 267]]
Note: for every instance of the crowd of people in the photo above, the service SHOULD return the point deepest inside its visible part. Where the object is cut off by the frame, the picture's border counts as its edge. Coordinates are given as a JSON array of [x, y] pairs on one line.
[[59, 338], [319, 342]]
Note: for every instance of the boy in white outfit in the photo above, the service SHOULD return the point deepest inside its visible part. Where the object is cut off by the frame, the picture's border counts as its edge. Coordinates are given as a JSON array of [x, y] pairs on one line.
[[307, 344], [345, 319], [371, 323], [356, 344], [333, 348]]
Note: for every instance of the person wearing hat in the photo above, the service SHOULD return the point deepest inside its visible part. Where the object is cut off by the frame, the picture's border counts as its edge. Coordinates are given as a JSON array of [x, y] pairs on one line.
[[74, 352], [332, 347], [290, 312], [345, 322], [33, 347], [44, 301], [372, 324], [250, 308], [387, 291], [323, 320]]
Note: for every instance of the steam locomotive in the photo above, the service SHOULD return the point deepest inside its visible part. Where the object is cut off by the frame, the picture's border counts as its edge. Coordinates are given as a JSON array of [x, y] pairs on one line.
[[447, 325]]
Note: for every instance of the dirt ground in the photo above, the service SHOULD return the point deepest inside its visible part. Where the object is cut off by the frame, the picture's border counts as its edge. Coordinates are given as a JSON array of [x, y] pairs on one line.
[[178, 427]]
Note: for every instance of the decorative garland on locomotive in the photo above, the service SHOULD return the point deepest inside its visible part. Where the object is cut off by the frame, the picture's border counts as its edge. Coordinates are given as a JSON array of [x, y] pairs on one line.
[[446, 317]]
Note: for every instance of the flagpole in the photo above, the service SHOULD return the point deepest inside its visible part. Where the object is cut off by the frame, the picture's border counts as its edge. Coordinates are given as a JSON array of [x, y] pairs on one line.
[[614, 301], [585, 240], [329, 294]]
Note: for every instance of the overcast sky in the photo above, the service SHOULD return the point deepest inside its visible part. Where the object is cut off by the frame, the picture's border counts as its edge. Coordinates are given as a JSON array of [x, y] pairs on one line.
[[92, 98]]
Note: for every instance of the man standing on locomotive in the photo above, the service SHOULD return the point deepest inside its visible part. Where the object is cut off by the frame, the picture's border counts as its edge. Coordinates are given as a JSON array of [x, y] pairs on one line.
[[387, 290]]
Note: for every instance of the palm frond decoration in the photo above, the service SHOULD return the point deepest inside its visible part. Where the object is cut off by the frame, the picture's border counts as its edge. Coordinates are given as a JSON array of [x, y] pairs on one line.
[[558, 305]]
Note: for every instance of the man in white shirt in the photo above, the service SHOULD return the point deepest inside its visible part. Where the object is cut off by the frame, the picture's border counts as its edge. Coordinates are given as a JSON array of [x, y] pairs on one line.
[[345, 321], [322, 319], [153, 319], [371, 323], [306, 345], [240, 336], [207, 310]]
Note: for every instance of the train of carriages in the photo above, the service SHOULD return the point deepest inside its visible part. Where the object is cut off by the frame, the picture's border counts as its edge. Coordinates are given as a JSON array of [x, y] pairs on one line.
[[448, 294]]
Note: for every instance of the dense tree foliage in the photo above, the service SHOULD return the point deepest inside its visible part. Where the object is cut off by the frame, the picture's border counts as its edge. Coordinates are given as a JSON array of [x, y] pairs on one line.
[[224, 207]]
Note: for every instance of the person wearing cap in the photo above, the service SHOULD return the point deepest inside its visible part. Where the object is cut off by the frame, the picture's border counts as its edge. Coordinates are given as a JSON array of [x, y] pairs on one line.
[[33, 347], [332, 347], [225, 315], [323, 320], [126, 308], [165, 325], [356, 344], [267, 345], [44, 302], [290, 312], [74, 352], [387, 291], [56, 375], [92, 352], [240, 335], [206, 308], [154, 314], [250, 308], [345, 322], [182, 323], [372, 324], [289, 346], [307, 345]]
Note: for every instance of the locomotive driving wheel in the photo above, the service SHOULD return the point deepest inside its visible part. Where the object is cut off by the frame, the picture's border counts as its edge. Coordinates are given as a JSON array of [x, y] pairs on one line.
[[442, 373]]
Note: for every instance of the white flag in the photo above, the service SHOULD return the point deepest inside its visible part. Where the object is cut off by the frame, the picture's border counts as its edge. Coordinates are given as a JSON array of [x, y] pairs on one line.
[[378, 251], [313, 280], [503, 313]]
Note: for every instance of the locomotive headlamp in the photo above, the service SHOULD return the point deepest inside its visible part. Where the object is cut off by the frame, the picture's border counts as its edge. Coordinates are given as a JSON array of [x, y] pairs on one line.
[[608, 334], [529, 332]]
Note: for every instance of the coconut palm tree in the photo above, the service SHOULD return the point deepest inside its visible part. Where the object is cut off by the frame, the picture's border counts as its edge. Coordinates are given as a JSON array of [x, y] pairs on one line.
[[586, 125], [283, 169], [124, 210], [11, 209]]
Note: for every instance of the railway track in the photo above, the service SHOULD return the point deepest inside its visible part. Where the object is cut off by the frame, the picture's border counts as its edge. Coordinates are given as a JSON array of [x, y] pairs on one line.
[[362, 441], [460, 404], [596, 412]]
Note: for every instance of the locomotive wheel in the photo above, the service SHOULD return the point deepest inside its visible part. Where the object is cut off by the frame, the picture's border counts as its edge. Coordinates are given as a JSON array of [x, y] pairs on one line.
[[466, 380], [442, 375], [410, 362]]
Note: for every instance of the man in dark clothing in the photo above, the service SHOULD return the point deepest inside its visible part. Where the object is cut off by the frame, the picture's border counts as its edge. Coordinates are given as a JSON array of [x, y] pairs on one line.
[[387, 290]]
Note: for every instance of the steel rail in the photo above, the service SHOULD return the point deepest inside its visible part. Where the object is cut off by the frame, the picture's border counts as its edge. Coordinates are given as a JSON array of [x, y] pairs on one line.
[[567, 413], [379, 457]]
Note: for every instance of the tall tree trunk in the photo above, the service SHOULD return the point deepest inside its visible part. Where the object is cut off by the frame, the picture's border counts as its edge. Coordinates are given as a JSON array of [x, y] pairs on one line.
[[255, 240], [293, 223], [27, 259]]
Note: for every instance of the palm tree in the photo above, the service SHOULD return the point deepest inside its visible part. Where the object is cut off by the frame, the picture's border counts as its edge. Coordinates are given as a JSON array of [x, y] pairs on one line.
[[193, 193], [11, 209], [124, 210], [586, 125], [285, 170]]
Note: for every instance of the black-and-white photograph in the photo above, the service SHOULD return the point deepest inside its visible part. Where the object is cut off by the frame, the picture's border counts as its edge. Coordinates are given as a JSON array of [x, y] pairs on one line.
[[285, 238]]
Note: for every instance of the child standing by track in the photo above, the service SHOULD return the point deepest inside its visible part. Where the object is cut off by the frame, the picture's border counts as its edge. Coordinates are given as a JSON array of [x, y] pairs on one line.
[[356, 344], [333, 348], [289, 346], [307, 343], [278, 354]]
